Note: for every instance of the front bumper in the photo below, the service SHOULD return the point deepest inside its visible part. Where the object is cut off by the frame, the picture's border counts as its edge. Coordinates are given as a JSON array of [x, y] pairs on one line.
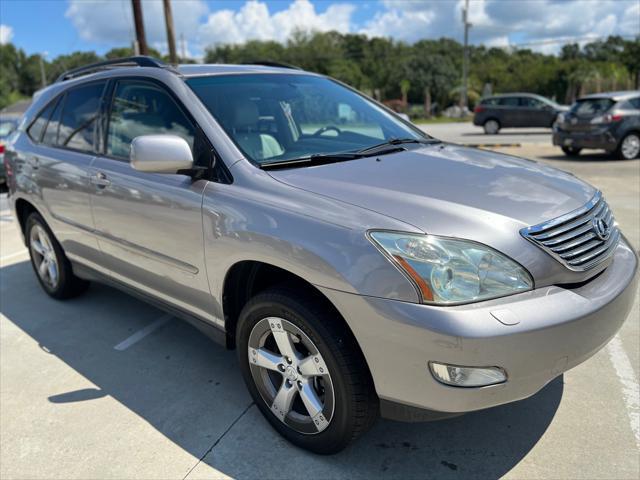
[[558, 328], [600, 139]]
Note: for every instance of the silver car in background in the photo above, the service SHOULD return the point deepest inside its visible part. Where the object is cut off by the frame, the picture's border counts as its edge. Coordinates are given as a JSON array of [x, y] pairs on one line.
[[359, 267]]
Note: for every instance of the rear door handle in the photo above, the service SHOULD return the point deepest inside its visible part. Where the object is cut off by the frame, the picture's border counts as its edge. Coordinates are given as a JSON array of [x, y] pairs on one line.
[[100, 180]]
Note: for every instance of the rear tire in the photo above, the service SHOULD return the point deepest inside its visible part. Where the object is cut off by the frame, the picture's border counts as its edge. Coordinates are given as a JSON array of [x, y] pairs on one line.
[[491, 126], [50, 264], [629, 147], [571, 151], [280, 319]]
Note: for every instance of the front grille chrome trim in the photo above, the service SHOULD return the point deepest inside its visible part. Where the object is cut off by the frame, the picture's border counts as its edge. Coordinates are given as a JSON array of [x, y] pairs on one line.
[[573, 240]]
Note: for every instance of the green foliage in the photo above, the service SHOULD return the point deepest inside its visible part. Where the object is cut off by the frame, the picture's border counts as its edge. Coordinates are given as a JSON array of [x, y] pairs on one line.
[[389, 70]]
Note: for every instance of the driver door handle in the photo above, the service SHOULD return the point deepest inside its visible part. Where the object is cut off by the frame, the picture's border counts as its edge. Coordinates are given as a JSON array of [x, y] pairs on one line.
[[100, 180]]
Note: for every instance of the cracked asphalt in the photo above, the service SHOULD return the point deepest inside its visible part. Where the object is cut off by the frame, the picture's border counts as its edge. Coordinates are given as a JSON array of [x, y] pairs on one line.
[[172, 404]]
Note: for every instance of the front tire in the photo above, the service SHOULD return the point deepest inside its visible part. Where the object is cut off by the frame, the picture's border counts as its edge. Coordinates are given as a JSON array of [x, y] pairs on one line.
[[305, 371], [571, 151], [491, 126], [629, 147], [50, 264]]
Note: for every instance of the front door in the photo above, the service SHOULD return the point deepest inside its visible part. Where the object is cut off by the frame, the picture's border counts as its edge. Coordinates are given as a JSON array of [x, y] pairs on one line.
[[149, 226]]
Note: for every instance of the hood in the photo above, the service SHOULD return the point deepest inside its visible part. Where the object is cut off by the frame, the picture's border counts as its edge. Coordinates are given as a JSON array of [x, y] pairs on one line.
[[448, 190]]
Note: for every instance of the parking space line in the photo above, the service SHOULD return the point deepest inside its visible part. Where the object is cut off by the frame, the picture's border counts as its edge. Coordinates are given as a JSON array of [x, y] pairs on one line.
[[13, 255], [630, 387], [140, 334]]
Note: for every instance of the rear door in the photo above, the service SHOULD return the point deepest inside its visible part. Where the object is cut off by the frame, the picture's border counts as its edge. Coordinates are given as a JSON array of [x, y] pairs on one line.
[[535, 113], [65, 135], [509, 110], [149, 225]]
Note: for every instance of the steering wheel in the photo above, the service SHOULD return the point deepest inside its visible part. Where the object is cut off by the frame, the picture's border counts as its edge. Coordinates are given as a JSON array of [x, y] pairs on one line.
[[322, 130]]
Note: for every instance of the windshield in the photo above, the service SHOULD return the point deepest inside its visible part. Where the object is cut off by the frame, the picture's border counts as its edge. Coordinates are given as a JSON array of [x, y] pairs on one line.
[[592, 106], [279, 117]]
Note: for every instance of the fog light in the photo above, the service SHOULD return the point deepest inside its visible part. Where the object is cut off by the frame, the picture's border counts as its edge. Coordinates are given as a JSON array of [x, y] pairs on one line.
[[467, 376]]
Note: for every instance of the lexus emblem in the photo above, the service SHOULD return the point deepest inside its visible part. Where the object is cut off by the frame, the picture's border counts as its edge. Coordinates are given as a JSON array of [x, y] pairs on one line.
[[602, 228]]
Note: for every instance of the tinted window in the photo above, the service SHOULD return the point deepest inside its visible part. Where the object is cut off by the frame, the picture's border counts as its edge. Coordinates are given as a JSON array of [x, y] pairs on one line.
[[530, 102], [51, 132], [509, 101], [592, 106], [490, 101], [141, 108], [634, 103], [37, 127], [79, 114]]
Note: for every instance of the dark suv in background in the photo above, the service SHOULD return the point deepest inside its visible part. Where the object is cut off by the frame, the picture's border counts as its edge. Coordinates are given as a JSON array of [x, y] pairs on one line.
[[605, 121], [516, 110]]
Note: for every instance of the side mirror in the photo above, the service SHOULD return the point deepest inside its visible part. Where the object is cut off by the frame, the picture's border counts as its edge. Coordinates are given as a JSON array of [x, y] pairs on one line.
[[160, 154]]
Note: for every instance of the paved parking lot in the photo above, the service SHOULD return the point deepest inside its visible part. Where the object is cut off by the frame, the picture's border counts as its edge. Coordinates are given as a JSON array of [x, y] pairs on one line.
[[172, 404], [468, 133]]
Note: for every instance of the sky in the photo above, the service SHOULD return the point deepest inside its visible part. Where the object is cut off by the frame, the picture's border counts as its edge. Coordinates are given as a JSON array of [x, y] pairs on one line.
[[62, 26]]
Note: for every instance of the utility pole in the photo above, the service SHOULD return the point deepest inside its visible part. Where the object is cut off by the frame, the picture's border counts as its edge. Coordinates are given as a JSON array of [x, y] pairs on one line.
[[43, 76], [171, 39], [183, 47], [464, 103], [139, 24]]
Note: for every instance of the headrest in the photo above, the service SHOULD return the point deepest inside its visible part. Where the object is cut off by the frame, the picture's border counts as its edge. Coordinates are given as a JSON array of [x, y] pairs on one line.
[[245, 114]]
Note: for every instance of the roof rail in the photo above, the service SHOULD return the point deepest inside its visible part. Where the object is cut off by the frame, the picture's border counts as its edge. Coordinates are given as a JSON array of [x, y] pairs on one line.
[[139, 60], [269, 63]]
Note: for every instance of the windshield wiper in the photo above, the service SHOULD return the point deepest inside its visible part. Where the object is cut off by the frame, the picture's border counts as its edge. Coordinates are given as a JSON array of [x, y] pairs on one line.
[[394, 143], [315, 159]]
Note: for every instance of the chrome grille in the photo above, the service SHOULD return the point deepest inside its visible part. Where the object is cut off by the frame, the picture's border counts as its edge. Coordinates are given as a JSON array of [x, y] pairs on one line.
[[580, 239]]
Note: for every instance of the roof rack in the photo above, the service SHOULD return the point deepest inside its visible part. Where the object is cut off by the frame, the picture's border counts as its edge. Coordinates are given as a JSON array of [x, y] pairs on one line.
[[139, 60], [269, 63]]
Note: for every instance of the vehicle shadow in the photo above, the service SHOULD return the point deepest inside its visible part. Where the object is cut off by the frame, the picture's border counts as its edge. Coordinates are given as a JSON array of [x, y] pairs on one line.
[[190, 390], [587, 157]]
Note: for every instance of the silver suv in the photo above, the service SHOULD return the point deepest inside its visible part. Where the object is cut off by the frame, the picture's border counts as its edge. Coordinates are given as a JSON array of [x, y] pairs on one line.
[[359, 267]]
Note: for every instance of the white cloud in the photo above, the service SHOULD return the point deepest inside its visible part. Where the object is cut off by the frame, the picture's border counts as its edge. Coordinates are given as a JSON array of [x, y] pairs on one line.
[[254, 21], [111, 22], [498, 23], [495, 22], [6, 34]]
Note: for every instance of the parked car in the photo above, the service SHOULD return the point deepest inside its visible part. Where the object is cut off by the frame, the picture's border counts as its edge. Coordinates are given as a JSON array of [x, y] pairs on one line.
[[516, 110], [8, 124], [603, 121], [359, 267]]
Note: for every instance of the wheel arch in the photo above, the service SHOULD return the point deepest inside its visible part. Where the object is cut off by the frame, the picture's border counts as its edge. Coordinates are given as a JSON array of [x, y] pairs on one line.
[[23, 209], [246, 278]]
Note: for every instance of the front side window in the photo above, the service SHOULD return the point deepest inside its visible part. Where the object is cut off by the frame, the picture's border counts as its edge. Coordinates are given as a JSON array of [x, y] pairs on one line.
[[279, 117], [78, 123], [142, 108]]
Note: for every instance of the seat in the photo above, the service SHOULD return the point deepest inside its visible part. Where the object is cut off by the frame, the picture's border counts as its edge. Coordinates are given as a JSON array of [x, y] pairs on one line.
[[257, 145]]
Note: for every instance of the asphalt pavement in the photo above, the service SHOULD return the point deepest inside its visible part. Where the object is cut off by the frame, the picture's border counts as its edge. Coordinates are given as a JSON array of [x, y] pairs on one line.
[[468, 133], [168, 403]]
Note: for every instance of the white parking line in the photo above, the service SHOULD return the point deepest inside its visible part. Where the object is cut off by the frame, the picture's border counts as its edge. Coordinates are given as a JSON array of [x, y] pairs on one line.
[[13, 255], [140, 334], [630, 388]]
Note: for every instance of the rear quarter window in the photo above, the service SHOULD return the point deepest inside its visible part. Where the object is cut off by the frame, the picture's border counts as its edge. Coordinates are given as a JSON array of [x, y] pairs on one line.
[[36, 129]]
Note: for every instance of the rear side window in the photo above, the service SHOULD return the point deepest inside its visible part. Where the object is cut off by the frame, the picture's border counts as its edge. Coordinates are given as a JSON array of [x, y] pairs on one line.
[[37, 127], [509, 101], [142, 108], [530, 102], [489, 101], [79, 114]]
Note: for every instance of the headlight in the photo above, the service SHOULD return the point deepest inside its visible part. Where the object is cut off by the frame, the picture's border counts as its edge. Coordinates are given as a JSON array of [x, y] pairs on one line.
[[450, 271]]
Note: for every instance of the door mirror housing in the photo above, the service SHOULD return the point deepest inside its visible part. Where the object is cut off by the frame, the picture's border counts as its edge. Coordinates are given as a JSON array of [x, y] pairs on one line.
[[160, 154]]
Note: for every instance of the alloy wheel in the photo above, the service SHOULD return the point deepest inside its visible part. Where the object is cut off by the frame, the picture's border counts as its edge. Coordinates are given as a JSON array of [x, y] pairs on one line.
[[630, 147], [44, 256], [291, 375]]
